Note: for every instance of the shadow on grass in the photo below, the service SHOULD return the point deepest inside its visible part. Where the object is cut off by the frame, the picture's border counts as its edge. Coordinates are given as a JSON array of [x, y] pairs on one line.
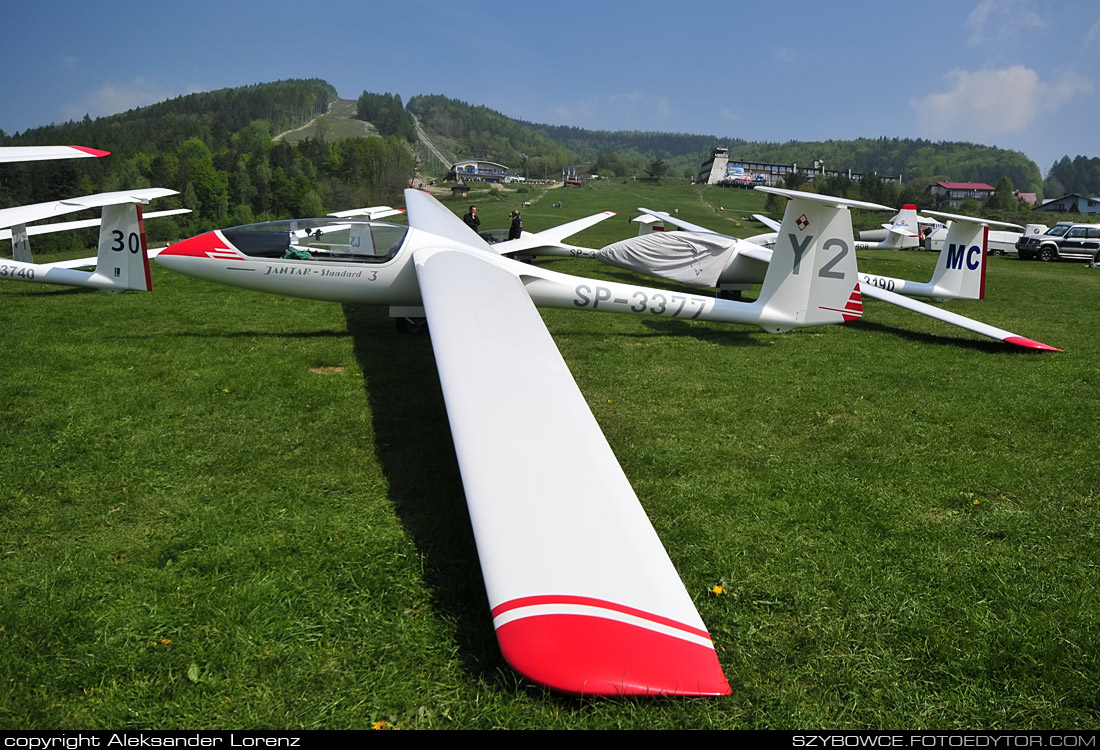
[[986, 345], [240, 335], [50, 290], [413, 446], [717, 333]]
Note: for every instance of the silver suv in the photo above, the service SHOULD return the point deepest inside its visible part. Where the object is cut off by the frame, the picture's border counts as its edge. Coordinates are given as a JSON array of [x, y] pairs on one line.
[[1063, 240]]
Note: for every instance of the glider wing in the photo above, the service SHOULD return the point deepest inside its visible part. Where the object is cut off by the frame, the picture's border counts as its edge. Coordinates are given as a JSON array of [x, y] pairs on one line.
[[46, 153], [10, 217], [953, 318], [583, 595]]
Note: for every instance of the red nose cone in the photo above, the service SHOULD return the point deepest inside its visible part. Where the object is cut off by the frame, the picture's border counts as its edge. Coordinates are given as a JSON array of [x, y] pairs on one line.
[[208, 245]]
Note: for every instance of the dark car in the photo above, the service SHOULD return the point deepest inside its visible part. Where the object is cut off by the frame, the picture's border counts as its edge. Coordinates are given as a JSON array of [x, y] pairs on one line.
[[1073, 241]]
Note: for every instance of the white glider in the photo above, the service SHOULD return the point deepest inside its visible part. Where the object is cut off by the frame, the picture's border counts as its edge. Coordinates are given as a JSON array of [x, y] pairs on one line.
[[709, 259], [121, 260], [369, 212], [550, 241], [583, 596]]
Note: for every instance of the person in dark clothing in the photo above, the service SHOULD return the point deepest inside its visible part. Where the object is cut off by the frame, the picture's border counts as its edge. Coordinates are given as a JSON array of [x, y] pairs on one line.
[[517, 226], [471, 219]]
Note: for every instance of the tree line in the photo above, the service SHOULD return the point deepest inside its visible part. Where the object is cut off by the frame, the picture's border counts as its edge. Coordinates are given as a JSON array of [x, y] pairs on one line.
[[1081, 176], [486, 133], [218, 150]]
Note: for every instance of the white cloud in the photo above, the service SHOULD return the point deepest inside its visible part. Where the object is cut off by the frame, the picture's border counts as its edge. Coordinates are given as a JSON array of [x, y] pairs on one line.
[[785, 55], [994, 102], [112, 98], [1092, 34], [999, 22]]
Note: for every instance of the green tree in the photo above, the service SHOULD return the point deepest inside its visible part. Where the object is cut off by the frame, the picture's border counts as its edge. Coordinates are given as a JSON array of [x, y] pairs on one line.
[[794, 180], [1004, 196], [775, 205], [609, 164], [656, 168]]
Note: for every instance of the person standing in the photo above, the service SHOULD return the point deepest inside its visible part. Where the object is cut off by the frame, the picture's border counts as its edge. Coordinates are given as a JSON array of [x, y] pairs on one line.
[[471, 219], [517, 226]]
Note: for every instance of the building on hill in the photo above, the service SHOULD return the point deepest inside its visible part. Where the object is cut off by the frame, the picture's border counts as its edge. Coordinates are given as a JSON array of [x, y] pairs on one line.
[[478, 169], [713, 169], [719, 169], [954, 193], [1072, 203]]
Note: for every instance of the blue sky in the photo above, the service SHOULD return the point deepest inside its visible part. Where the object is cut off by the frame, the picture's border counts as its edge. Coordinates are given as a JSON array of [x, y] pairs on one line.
[[1009, 73]]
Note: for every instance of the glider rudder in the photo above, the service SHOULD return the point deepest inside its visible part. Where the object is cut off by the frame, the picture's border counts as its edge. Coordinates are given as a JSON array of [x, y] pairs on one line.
[[122, 259]]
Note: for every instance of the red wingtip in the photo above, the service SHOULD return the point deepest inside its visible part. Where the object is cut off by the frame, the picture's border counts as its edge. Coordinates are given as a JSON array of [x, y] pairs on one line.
[[589, 654], [1028, 343], [91, 151]]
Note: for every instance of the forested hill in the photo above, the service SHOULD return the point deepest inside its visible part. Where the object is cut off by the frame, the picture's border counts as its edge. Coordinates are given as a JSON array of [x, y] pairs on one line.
[[489, 134], [485, 133], [913, 159], [213, 115], [218, 150]]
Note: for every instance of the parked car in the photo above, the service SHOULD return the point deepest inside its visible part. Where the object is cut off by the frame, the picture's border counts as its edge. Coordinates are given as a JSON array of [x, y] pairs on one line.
[[1064, 240]]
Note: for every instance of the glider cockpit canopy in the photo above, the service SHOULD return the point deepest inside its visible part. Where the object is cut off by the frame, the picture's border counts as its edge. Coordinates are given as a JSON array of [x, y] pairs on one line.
[[342, 240]]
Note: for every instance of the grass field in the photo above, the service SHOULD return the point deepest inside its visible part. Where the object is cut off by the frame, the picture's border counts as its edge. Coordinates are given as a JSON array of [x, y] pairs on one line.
[[221, 509]]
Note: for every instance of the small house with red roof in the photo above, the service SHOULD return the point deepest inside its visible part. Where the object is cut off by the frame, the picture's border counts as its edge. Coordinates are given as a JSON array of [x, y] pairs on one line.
[[954, 193]]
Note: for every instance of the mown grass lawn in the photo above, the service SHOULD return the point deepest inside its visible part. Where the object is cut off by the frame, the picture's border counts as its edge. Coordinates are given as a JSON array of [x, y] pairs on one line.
[[223, 509]]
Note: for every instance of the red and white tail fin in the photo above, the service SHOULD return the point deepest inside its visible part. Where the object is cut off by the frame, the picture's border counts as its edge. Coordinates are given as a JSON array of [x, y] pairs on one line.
[[647, 224], [812, 278], [902, 233], [960, 269], [122, 261]]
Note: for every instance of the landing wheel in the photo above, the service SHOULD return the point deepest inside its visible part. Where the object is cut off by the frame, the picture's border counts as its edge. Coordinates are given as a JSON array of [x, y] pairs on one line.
[[731, 294], [411, 325]]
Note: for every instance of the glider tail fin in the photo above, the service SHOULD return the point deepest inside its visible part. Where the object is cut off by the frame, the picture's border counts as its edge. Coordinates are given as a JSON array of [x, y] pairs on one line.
[[960, 269], [122, 259], [812, 276], [649, 224], [903, 233], [21, 244]]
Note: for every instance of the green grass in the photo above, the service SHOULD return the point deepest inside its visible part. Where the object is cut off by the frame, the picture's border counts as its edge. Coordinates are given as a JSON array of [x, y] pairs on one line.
[[225, 509]]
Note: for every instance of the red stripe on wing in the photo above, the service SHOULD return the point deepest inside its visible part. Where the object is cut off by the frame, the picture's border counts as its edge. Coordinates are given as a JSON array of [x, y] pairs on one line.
[[592, 655]]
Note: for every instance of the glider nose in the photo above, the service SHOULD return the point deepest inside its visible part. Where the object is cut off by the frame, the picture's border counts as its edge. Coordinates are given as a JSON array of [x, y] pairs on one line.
[[196, 247], [184, 256]]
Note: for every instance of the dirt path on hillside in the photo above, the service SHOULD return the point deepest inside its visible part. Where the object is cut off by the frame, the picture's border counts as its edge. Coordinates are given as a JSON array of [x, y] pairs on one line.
[[280, 136]]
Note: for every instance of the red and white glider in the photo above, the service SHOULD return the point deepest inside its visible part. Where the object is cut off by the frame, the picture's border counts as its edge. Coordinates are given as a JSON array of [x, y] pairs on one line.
[[583, 596]]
